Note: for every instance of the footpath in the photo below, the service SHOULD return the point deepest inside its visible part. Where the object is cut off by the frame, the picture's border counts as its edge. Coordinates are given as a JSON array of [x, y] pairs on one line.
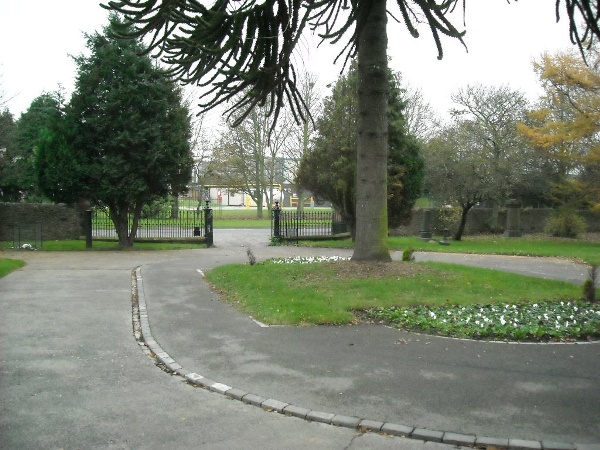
[[73, 374]]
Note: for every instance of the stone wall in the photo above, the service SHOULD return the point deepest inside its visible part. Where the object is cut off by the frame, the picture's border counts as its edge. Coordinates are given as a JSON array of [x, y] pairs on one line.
[[55, 222], [480, 221], [62, 222]]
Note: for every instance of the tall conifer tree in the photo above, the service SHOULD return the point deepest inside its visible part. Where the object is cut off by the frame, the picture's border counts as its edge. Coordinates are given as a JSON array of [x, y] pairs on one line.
[[235, 47]]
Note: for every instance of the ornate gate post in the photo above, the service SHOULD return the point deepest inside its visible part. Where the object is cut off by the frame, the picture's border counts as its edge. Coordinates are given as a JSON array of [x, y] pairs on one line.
[[276, 221], [208, 224]]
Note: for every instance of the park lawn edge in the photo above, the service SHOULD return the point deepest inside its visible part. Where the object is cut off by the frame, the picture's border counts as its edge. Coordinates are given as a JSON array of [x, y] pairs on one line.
[[356, 314], [9, 265]]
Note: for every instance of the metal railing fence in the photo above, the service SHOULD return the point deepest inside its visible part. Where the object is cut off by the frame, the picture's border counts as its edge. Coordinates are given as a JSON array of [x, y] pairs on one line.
[[306, 224], [187, 224]]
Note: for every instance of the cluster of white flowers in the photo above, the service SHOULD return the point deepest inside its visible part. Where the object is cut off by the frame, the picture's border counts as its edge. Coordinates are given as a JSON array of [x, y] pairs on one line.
[[537, 321], [309, 259], [513, 316]]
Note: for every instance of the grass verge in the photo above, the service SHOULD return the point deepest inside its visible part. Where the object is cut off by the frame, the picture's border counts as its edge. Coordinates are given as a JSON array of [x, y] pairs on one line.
[[79, 245], [583, 250], [9, 265], [343, 292]]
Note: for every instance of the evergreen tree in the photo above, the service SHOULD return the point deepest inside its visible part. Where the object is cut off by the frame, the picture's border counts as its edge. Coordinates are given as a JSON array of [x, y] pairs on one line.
[[246, 47], [124, 139], [329, 169], [7, 125], [18, 177]]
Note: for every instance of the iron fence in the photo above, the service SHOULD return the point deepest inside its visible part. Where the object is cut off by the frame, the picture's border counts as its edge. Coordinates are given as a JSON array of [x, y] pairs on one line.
[[186, 224], [27, 235], [306, 224]]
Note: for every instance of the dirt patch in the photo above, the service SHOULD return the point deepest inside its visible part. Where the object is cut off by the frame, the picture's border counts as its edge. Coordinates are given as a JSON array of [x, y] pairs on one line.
[[377, 270]]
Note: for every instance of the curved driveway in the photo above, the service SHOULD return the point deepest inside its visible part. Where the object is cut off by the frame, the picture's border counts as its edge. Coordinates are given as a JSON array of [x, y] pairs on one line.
[[517, 391]]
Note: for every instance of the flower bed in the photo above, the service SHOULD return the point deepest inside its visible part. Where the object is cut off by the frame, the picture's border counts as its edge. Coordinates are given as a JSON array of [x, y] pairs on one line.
[[543, 321]]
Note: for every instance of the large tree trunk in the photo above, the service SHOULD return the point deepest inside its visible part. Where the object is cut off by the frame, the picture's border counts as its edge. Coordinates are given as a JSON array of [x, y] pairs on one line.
[[119, 216], [466, 207], [371, 166]]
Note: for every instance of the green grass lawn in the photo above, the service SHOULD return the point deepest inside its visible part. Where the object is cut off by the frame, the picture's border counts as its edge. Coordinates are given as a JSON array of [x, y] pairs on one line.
[[340, 292], [321, 293], [247, 218], [79, 245], [8, 265], [537, 245]]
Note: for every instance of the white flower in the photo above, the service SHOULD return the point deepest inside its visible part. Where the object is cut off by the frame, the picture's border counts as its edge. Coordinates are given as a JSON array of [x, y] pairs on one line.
[[308, 259]]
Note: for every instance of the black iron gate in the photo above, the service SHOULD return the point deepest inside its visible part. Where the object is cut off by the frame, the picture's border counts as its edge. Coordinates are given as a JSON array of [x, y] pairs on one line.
[[182, 225], [306, 224]]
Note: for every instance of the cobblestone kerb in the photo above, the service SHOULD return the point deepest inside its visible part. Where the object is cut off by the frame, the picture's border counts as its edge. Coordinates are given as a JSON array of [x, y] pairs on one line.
[[143, 335]]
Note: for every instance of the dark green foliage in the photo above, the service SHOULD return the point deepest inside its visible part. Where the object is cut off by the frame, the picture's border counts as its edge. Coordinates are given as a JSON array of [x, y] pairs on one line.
[[250, 44], [18, 170], [7, 125], [589, 287], [329, 170], [124, 139], [405, 164], [565, 223], [246, 49], [543, 321], [407, 255], [60, 172]]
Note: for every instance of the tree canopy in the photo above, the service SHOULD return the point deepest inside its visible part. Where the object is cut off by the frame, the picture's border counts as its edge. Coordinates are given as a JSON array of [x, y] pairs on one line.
[[123, 140], [247, 157], [479, 156], [18, 171], [250, 43], [328, 170], [234, 48], [565, 127]]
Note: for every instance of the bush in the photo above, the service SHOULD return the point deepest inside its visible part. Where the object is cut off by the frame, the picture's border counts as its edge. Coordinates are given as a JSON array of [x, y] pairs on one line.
[[589, 287], [407, 255], [565, 223], [156, 209], [447, 217]]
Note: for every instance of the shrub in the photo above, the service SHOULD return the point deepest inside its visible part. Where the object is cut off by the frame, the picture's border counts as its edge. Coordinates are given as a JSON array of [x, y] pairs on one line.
[[407, 255], [251, 257], [589, 287], [447, 217], [565, 223], [156, 209]]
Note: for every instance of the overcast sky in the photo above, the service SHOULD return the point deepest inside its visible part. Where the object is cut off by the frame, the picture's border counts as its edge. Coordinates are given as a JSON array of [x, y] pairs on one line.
[[37, 37]]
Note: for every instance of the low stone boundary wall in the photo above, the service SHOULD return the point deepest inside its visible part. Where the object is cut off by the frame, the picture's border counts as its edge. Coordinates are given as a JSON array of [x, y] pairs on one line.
[[57, 221], [63, 222], [480, 220]]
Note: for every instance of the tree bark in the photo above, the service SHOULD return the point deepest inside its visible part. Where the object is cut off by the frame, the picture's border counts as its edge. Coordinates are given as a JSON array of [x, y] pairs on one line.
[[463, 220], [371, 167], [120, 220]]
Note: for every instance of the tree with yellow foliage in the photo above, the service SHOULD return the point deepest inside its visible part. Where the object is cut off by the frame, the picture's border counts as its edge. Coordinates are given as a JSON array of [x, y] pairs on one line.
[[566, 126]]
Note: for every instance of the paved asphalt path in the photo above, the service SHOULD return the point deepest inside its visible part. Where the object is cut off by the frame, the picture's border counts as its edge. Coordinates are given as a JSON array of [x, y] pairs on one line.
[[73, 376]]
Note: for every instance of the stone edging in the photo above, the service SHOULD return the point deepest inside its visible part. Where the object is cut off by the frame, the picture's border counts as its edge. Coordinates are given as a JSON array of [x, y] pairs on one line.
[[143, 335]]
